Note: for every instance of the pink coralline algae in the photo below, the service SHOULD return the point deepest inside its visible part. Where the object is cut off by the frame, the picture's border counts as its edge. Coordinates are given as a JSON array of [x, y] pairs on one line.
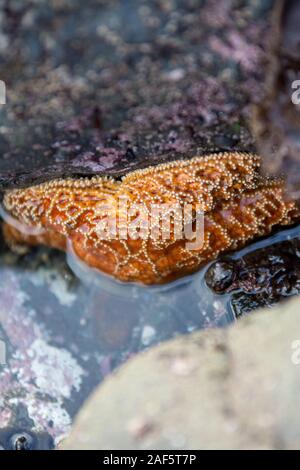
[[236, 48], [103, 159], [35, 369]]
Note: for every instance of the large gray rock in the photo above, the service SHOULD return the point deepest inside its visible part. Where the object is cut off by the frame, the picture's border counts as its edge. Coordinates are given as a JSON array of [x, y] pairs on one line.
[[221, 389]]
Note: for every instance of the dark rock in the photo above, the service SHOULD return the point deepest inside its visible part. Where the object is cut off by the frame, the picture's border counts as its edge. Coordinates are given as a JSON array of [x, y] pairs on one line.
[[22, 441], [12, 439], [121, 85], [220, 276], [261, 277], [276, 117]]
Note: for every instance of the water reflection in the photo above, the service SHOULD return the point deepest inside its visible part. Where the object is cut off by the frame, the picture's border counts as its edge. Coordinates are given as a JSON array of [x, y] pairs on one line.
[[65, 330], [151, 314]]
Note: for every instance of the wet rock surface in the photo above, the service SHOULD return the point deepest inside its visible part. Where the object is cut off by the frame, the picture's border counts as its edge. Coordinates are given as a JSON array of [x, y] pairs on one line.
[[222, 389], [13, 439], [276, 118], [119, 85], [258, 277]]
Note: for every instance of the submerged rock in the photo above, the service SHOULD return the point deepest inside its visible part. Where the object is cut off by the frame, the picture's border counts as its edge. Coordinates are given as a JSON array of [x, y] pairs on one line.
[[210, 390], [260, 277], [17, 439]]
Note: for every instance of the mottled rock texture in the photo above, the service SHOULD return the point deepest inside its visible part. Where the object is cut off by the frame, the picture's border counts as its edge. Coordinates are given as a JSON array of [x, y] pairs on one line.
[[259, 277], [119, 84], [276, 118]]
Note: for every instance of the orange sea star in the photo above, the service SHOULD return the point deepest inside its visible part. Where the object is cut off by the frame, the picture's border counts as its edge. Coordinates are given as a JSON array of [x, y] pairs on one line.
[[238, 204]]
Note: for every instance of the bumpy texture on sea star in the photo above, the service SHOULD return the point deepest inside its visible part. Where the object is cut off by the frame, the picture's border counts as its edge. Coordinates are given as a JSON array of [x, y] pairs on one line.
[[237, 202]]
